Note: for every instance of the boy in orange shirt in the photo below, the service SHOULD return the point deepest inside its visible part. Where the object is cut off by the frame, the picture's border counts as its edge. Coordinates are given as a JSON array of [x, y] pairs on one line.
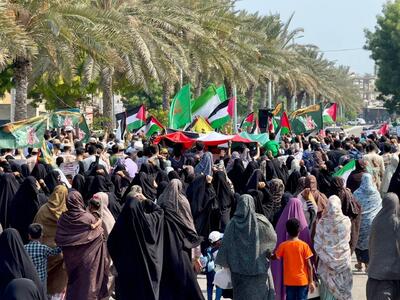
[[297, 267]]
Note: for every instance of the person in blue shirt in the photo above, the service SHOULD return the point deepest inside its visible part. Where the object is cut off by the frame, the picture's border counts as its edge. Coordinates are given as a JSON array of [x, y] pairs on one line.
[[208, 263]]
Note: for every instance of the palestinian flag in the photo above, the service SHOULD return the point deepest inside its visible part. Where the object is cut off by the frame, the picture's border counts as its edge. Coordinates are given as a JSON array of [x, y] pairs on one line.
[[136, 118], [248, 121], [384, 129], [272, 124], [329, 114], [285, 124], [222, 114], [121, 122], [256, 128], [346, 170], [179, 113], [152, 126], [306, 120], [207, 102]]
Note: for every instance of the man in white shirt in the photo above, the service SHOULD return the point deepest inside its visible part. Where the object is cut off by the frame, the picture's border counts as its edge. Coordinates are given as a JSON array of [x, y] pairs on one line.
[[92, 158]]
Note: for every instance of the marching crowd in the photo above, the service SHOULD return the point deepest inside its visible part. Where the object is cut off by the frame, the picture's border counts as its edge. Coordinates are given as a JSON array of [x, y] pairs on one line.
[[137, 220]]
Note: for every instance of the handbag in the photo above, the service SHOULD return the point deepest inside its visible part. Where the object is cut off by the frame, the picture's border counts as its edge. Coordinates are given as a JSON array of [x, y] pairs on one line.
[[222, 278]]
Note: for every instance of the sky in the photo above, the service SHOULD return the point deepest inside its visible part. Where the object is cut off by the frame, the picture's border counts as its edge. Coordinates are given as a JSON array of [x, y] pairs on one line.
[[330, 25]]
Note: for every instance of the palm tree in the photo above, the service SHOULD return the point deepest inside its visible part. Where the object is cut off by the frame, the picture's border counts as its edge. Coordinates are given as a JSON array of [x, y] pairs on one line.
[[59, 31]]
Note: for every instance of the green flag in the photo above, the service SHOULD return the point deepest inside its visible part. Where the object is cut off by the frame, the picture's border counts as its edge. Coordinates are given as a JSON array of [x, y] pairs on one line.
[[306, 120], [179, 113], [64, 118], [22, 134]]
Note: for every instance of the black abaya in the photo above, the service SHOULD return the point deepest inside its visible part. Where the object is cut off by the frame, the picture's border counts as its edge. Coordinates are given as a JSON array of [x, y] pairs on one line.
[[236, 176], [136, 245], [78, 183], [21, 289], [8, 188], [51, 180], [39, 171], [202, 199], [224, 198], [15, 262], [25, 204]]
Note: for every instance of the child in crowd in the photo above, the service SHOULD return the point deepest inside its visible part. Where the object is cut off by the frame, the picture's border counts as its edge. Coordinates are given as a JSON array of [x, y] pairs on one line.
[[95, 209], [215, 238], [297, 267], [39, 252]]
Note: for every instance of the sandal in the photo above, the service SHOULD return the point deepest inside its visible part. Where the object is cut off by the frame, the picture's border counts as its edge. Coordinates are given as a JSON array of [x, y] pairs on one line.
[[358, 266]]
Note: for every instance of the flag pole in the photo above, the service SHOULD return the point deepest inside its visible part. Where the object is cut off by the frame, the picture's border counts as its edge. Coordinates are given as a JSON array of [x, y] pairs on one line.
[[235, 130], [269, 94]]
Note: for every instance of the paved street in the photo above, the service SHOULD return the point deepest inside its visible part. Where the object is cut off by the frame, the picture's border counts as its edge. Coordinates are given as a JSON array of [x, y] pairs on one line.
[[359, 284]]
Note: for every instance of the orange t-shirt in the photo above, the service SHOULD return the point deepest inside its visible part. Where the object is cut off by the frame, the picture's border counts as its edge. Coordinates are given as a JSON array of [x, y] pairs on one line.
[[295, 255]]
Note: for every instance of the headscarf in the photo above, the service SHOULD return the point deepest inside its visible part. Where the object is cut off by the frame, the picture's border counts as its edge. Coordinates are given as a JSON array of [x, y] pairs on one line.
[[384, 242], [52, 179], [254, 180], [205, 165], [136, 246], [235, 155], [236, 176], [248, 172], [222, 190], [39, 171], [242, 250], [293, 182], [15, 261], [161, 187], [105, 214], [26, 203], [280, 170], [371, 202], [276, 188], [320, 198], [146, 182], [284, 201], [173, 199], [21, 288], [78, 183], [74, 225], [294, 209], [57, 201], [394, 185], [173, 175], [331, 243], [8, 188], [294, 165], [350, 208], [301, 184], [354, 179], [258, 198]]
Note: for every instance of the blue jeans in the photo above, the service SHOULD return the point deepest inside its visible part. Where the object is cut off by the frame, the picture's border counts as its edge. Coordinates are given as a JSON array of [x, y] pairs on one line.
[[210, 287], [296, 292]]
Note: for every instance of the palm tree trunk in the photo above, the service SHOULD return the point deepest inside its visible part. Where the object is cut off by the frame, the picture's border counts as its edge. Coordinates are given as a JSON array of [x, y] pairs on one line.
[[166, 93], [263, 94], [22, 68], [199, 85], [107, 89], [250, 98], [229, 87]]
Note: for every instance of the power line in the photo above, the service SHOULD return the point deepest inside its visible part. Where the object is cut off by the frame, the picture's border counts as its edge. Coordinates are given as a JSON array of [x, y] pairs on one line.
[[342, 50]]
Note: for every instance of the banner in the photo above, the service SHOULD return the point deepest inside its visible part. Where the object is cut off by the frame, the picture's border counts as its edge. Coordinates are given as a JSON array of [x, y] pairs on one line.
[[23, 134], [306, 120]]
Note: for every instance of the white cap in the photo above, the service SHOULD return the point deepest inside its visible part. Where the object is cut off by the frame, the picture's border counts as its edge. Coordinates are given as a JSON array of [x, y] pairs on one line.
[[215, 236], [69, 128], [138, 145]]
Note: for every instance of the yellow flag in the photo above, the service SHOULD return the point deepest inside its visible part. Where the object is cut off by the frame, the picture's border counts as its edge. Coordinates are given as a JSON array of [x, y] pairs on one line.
[[202, 126]]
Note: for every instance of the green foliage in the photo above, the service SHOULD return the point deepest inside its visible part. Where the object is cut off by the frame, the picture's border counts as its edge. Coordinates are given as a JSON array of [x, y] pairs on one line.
[[6, 82], [60, 94], [99, 123], [350, 114], [384, 43]]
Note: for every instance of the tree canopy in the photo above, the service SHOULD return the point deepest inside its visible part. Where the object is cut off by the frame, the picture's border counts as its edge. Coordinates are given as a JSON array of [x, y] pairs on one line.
[[148, 46], [384, 43]]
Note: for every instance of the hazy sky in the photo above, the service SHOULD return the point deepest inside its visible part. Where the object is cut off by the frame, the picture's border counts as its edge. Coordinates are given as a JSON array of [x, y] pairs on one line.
[[331, 25]]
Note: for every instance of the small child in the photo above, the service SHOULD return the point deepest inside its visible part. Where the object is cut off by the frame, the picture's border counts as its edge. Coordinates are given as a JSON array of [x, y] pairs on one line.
[[208, 262], [94, 208], [39, 252], [297, 267]]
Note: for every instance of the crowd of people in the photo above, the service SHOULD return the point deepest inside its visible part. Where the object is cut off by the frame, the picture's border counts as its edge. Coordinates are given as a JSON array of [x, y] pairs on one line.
[[135, 220]]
